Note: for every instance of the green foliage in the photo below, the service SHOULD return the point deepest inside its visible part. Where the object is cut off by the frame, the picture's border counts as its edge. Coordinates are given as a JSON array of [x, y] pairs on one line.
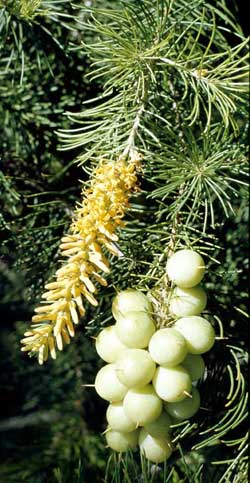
[[22, 9], [27, 29]]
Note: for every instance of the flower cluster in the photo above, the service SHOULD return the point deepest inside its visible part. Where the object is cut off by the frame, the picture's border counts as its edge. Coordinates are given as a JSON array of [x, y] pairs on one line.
[[92, 232]]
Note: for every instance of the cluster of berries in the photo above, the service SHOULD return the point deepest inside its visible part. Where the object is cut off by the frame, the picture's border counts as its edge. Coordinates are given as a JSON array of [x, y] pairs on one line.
[[150, 377]]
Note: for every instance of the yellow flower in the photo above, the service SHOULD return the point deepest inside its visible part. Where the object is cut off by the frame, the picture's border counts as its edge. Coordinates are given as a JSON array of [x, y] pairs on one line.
[[92, 231]]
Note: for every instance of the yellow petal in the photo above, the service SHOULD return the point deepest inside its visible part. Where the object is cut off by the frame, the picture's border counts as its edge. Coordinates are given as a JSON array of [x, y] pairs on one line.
[[99, 263], [87, 282], [69, 238], [53, 295], [65, 336], [59, 342], [112, 248], [43, 308], [78, 301], [89, 297], [59, 306], [70, 328], [73, 312], [41, 354], [42, 317], [96, 248], [51, 343], [53, 285], [67, 268], [28, 340], [108, 232], [100, 279], [59, 324], [70, 251]]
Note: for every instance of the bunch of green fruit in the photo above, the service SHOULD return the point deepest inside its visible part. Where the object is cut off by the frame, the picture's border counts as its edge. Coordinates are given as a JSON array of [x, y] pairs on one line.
[[150, 375]]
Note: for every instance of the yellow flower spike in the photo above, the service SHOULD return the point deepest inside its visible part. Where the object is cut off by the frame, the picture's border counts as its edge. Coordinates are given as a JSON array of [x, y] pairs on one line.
[[93, 230]]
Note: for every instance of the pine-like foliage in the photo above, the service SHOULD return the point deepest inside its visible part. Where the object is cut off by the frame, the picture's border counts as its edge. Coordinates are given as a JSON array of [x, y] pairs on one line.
[[168, 80]]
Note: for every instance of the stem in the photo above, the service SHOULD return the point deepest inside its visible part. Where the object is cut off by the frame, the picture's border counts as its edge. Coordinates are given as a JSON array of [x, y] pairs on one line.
[[176, 221], [131, 139]]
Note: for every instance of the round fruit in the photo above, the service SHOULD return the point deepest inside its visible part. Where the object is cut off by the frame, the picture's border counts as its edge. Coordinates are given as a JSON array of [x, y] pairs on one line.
[[142, 405], [188, 301], [135, 329], [184, 409], [156, 450], [160, 427], [172, 383], [121, 442], [186, 268], [117, 418], [135, 368], [107, 384], [130, 300], [198, 332], [108, 344], [195, 365], [166, 347]]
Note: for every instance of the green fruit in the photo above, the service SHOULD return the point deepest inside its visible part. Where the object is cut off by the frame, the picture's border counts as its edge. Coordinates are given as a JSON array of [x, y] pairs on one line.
[[195, 365], [172, 383], [121, 442], [108, 345], [156, 450], [188, 301], [198, 332], [108, 386], [184, 409], [135, 329], [160, 427], [117, 419], [167, 347], [186, 268], [130, 300], [142, 405], [135, 368]]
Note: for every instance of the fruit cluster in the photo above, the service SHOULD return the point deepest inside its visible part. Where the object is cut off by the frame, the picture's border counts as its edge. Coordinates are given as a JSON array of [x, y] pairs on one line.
[[149, 378]]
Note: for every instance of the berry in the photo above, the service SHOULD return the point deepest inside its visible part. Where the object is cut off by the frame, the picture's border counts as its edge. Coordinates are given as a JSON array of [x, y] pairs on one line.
[[167, 347], [188, 301], [107, 384], [142, 405], [135, 329], [135, 367], [130, 300], [108, 344], [185, 268], [121, 442], [198, 332], [172, 383], [195, 365], [184, 409], [117, 418], [156, 450]]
